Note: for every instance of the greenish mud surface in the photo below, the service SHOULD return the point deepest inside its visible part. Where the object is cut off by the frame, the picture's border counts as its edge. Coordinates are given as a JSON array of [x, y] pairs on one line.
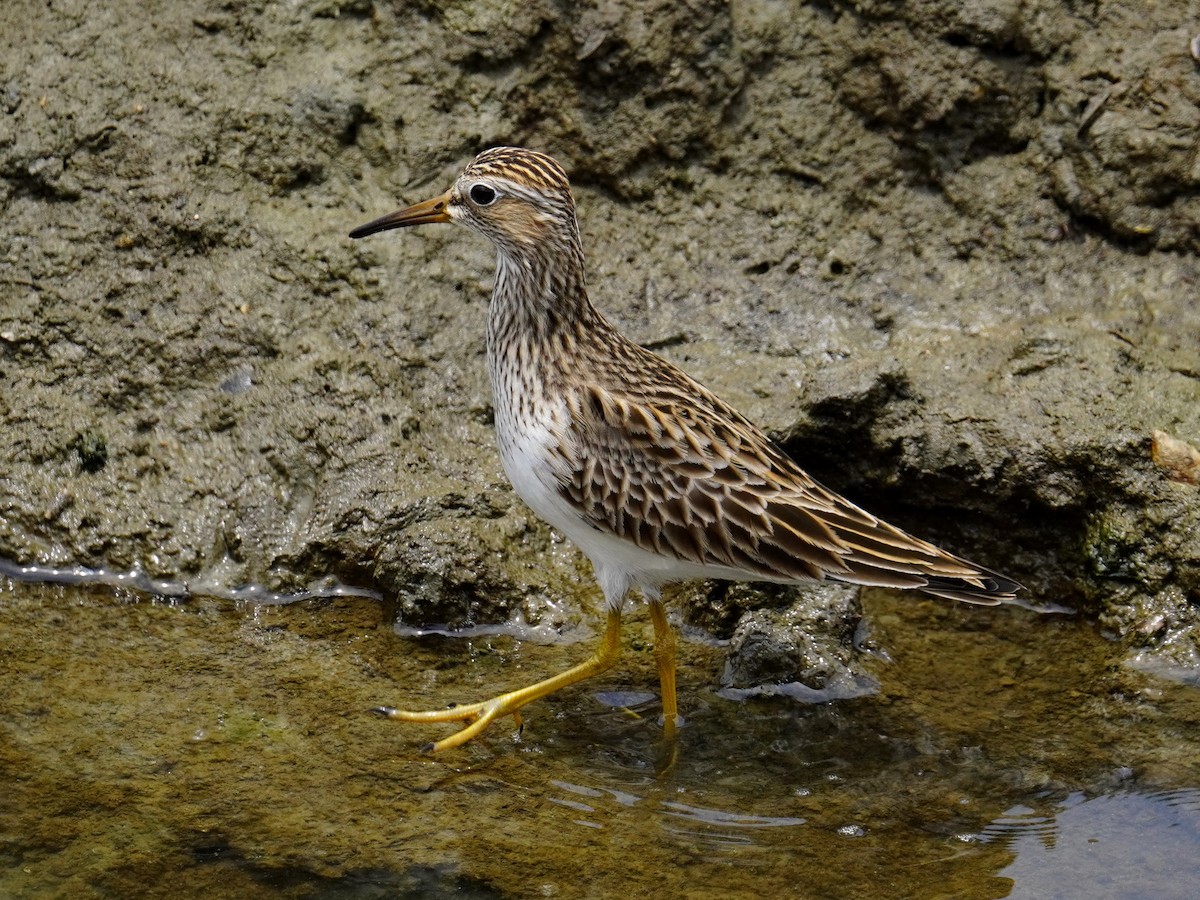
[[210, 749]]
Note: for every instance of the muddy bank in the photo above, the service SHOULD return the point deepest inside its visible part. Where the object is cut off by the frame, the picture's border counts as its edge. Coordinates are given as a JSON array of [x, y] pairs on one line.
[[949, 258]]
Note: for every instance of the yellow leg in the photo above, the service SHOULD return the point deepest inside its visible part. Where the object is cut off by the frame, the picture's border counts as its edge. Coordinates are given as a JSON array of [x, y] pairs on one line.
[[481, 715], [664, 655]]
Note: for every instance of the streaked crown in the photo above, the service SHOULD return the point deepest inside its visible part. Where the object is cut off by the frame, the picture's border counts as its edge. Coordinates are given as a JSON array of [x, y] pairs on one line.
[[516, 164]]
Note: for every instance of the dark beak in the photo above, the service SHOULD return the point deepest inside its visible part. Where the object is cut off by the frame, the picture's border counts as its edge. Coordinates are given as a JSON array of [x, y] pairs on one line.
[[423, 213]]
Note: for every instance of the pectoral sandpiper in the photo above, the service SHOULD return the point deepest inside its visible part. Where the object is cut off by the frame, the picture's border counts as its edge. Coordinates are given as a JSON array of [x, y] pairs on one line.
[[652, 475]]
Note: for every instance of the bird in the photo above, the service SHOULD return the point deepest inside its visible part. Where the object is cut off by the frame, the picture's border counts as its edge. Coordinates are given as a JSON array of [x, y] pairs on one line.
[[653, 476]]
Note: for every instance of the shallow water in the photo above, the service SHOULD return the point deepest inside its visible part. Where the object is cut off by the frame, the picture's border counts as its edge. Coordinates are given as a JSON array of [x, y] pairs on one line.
[[218, 748]]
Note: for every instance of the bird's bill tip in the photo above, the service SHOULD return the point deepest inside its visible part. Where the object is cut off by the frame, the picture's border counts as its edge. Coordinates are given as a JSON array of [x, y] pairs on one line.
[[434, 210]]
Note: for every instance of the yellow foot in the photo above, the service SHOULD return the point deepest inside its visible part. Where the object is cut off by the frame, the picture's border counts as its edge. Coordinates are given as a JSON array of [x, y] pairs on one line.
[[480, 716], [667, 756], [668, 748]]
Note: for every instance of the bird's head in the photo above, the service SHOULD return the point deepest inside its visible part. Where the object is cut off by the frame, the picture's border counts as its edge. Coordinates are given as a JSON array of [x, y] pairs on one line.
[[519, 199]]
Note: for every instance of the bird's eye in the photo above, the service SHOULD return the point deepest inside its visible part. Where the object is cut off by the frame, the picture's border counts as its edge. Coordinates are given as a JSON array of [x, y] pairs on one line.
[[483, 195]]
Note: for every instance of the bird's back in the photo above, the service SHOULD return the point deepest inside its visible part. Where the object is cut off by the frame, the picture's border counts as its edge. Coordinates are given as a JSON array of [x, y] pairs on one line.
[[662, 463]]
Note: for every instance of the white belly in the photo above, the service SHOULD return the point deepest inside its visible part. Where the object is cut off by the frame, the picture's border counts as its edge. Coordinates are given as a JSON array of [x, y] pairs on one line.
[[620, 565], [526, 456]]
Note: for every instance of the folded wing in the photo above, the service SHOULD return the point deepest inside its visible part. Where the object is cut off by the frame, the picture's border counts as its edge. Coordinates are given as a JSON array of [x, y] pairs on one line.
[[699, 482]]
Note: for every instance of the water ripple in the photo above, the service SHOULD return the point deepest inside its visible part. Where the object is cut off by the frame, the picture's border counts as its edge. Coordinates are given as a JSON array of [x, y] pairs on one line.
[[717, 829], [178, 589]]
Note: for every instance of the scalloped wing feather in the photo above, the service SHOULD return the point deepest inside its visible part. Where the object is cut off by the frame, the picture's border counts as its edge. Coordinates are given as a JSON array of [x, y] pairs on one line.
[[684, 475]]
